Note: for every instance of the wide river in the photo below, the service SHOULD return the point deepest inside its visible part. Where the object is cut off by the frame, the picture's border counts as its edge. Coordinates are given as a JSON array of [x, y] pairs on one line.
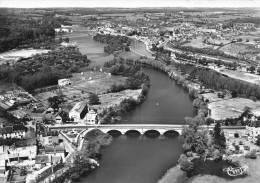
[[141, 159]]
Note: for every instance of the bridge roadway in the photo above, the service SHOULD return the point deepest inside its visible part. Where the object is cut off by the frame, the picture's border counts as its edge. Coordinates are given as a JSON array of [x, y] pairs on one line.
[[141, 128]]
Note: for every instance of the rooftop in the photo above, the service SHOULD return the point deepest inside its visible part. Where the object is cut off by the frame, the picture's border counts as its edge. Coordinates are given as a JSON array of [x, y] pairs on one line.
[[78, 107]]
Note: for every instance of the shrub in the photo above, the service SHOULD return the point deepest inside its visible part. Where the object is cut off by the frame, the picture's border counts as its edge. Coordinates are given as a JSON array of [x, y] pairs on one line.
[[246, 147], [236, 135], [186, 165], [186, 147], [251, 154], [189, 154], [237, 147], [217, 155], [236, 163], [75, 177]]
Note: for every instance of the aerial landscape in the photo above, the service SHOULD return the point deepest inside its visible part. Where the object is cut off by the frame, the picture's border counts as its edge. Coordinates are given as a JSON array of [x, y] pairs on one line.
[[121, 91]]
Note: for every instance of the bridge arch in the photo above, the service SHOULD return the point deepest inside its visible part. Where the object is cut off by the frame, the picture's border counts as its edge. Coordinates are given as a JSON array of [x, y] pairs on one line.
[[133, 132], [152, 133], [114, 132], [171, 133]]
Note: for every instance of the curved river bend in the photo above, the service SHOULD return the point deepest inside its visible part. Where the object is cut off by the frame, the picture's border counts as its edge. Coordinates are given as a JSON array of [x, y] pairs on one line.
[[142, 159]]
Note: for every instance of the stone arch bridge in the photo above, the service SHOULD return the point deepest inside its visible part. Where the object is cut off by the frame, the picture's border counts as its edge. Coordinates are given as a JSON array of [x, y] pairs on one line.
[[141, 128], [124, 128]]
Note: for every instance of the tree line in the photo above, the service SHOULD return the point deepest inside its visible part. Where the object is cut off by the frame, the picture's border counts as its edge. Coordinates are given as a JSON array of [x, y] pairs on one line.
[[17, 31], [218, 81], [114, 43], [45, 69], [135, 79]]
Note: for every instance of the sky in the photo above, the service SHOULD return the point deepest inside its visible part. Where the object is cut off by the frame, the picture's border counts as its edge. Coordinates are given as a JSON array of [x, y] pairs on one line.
[[128, 3]]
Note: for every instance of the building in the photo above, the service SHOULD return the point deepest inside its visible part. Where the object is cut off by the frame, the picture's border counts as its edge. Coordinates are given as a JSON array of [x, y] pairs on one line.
[[20, 154], [78, 112], [91, 117], [15, 131], [49, 138], [252, 133], [53, 150], [2, 170], [63, 82], [244, 25]]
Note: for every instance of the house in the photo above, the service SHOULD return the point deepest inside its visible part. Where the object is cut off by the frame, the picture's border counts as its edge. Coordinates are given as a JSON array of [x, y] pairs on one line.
[[49, 119], [19, 154], [15, 131], [46, 159], [79, 111], [63, 82], [18, 115], [49, 138], [91, 117], [2, 170], [253, 132], [53, 150]]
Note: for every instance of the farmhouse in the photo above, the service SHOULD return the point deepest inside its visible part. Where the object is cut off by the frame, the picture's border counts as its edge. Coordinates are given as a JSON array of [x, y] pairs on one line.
[[63, 82]]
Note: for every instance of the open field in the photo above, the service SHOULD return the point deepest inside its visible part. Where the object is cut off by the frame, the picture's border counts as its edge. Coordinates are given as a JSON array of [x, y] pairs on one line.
[[198, 43], [82, 85], [129, 55], [111, 99], [239, 74], [236, 48], [231, 108]]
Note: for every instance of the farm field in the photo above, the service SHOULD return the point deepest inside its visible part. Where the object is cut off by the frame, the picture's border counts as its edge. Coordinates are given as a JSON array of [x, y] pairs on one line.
[[231, 108], [82, 85]]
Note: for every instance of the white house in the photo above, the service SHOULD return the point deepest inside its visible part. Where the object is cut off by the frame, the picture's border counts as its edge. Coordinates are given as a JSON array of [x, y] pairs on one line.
[[253, 132], [91, 117], [63, 82]]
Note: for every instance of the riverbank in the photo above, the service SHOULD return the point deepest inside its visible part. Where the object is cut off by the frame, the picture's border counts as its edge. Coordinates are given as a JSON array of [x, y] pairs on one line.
[[85, 161], [195, 89]]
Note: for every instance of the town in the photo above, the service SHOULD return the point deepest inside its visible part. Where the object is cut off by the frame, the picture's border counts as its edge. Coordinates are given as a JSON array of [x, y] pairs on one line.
[[72, 77]]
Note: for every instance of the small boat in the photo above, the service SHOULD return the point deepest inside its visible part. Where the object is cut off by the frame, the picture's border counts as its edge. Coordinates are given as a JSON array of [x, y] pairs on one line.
[[157, 104]]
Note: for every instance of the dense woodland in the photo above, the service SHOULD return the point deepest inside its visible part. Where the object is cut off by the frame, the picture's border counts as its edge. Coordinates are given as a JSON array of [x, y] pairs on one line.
[[24, 30], [114, 43], [45, 69]]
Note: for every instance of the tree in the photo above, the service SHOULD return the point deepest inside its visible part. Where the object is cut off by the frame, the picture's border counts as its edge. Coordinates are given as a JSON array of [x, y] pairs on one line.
[[219, 139], [251, 69], [186, 165], [209, 121], [217, 155], [75, 177], [93, 99]]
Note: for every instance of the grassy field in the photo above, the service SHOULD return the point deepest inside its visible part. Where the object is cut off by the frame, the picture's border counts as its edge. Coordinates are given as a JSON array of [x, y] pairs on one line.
[[236, 48], [239, 74], [111, 99], [198, 43], [231, 108], [82, 85]]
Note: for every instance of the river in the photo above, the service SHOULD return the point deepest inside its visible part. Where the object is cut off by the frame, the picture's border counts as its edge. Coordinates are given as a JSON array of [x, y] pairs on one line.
[[142, 159]]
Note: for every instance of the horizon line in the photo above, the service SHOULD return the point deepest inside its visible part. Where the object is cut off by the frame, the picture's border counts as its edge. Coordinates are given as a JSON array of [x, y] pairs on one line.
[[188, 7]]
